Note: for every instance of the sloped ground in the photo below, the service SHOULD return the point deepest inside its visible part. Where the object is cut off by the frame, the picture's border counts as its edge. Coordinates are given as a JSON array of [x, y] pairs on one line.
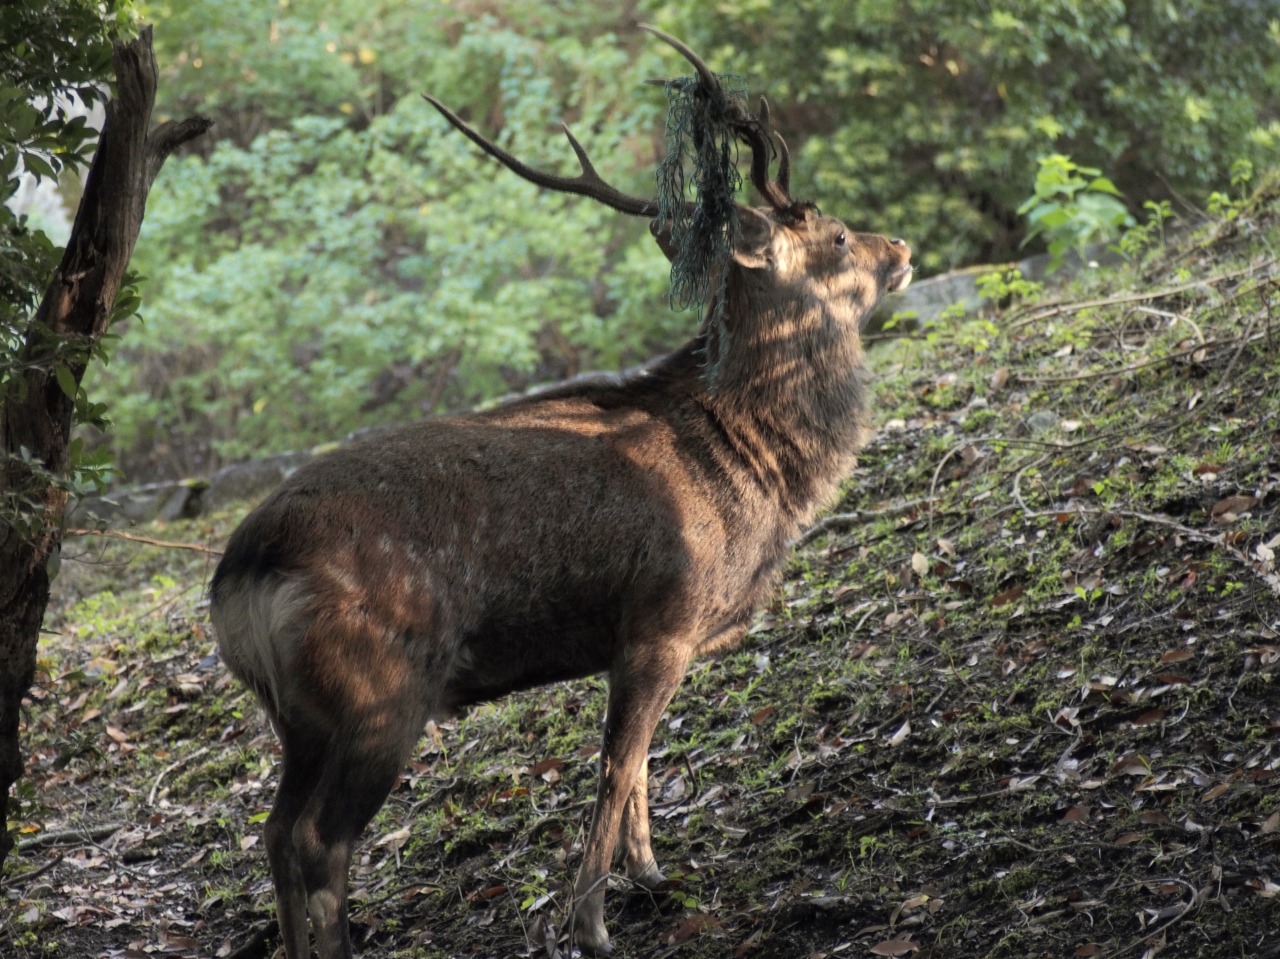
[[1019, 696]]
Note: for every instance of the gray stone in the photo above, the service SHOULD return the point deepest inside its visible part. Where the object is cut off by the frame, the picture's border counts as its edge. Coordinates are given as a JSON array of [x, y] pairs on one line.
[[250, 481], [137, 504], [1042, 420]]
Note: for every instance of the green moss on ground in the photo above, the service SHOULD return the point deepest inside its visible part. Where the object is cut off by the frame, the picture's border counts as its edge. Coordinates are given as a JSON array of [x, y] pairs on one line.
[[1019, 696]]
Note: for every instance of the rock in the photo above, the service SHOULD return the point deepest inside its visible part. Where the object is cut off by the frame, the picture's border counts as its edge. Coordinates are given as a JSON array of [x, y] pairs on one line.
[[1042, 420], [251, 480]]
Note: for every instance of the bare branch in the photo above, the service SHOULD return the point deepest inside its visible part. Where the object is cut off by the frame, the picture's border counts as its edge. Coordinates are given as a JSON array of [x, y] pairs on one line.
[[167, 137], [145, 540]]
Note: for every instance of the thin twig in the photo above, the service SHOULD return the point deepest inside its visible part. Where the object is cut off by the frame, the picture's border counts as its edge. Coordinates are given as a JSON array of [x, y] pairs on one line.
[[846, 520], [70, 837], [1060, 308], [1244, 341], [1017, 487], [27, 877], [1192, 903], [933, 483], [145, 540], [1219, 540], [1132, 368], [151, 797], [1174, 318]]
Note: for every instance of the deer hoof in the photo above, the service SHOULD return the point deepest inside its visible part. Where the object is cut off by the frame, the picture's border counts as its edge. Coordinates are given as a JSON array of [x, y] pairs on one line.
[[649, 876], [592, 939]]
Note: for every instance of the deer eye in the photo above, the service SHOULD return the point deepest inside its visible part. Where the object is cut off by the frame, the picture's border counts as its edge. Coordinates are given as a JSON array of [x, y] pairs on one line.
[[840, 239]]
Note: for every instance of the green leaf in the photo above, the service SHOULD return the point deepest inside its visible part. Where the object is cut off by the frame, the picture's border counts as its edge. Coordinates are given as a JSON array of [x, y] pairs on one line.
[[66, 381], [38, 166], [1103, 185]]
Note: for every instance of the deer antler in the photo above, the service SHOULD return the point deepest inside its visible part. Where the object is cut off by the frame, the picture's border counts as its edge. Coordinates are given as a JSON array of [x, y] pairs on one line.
[[754, 131], [783, 179], [588, 183]]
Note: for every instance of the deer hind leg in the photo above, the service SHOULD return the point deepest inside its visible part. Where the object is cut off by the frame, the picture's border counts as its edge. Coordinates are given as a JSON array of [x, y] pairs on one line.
[[637, 853], [301, 766], [639, 691], [358, 774]]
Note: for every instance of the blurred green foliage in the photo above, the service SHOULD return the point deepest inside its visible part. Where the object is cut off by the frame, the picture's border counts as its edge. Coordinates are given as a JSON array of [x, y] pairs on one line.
[[338, 257], [1072, 207], [927, 117]]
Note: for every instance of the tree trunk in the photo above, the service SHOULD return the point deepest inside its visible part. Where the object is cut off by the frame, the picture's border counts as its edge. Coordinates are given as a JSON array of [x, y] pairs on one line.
[[36, 410]]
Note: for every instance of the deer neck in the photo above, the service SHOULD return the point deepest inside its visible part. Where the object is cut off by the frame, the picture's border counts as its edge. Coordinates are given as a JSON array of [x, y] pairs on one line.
[[788, 388]]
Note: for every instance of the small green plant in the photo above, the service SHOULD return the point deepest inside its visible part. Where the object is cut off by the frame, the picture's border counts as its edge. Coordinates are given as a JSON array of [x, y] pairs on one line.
[[867, 846], [1143, 236], [1224, 204], [998, 286], [956, 327], [906, 318], [1089, 596], [1072, 207]]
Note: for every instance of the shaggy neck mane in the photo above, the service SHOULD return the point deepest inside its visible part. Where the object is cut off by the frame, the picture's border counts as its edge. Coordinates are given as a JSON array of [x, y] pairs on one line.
[[789, 388]]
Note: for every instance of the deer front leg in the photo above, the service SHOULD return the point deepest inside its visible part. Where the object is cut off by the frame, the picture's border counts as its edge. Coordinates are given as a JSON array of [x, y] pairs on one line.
[[639, 690]]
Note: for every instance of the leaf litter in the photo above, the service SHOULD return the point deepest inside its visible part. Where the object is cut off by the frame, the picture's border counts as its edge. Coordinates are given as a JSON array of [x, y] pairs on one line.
[[1018, 696]]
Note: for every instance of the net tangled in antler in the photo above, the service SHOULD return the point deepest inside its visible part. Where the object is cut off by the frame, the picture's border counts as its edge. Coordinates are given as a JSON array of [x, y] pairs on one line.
[[701, 135]]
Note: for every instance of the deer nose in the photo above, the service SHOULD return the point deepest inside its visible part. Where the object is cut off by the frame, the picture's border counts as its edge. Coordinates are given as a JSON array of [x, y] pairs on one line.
[[897, 241]]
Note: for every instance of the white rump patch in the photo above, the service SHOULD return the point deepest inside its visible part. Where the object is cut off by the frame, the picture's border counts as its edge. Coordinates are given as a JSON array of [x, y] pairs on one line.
[[258, 624]]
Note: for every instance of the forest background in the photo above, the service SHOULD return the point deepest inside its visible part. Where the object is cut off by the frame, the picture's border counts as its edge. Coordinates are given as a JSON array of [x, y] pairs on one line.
[[1054, 567], [332, 257]]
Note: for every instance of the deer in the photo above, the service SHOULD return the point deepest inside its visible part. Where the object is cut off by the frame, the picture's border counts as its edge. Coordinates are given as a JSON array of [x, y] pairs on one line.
[[624, 524]]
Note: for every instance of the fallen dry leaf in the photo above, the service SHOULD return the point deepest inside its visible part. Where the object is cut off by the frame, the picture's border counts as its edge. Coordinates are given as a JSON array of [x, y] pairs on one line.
[[1007, 596], [1129, 765], [763, 715], [894, 947], [1228, 509], [898, 738], [691, 928], [553, 764]]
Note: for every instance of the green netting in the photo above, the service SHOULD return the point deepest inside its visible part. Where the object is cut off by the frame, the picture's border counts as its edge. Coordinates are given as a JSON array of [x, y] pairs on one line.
[[700, 137]]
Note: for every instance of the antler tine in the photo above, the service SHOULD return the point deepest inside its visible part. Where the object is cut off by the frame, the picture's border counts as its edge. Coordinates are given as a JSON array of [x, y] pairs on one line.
[[588, 183], [710, 82], [754, 131], [783, 179]]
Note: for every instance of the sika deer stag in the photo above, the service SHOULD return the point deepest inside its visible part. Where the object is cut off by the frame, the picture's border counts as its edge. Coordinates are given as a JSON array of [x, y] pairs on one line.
[[620, 523]]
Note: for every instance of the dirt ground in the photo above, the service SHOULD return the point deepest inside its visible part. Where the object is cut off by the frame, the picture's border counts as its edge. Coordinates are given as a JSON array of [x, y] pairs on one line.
[[1019, 696]]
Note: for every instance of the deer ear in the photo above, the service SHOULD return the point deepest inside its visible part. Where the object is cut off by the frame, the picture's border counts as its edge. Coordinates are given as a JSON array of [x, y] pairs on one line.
[[751, 245], [755, 236]]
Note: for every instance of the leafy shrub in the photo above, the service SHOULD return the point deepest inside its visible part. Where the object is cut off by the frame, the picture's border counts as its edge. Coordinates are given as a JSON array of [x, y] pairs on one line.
[[1070, 211], [342, 259], [329, 276], [926, 119]]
